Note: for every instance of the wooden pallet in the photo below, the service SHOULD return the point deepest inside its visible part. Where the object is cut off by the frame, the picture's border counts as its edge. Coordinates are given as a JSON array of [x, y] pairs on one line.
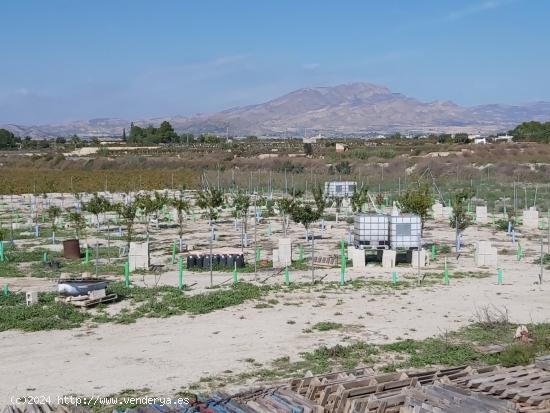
[[441, 397], [90, 302], [326, 262], [528, 386], [543, 362]]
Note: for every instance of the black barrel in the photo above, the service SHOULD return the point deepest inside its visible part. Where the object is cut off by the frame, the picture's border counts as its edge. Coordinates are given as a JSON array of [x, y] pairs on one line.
[[231, 261], [240, 260], [206, 261], [223, 260], [198, 261], [191, 261]]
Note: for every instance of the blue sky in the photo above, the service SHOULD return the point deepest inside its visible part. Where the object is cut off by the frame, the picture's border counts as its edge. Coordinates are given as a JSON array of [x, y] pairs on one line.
[[67, 60]]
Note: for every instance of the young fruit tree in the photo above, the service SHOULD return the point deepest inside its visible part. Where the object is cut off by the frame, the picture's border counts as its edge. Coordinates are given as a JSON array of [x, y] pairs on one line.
[[127, 213], [359, 198], [417, 200], [97, 205], [459, 218], [53, 214], [181, 205], [305, 214], [241, 204], [210, 200], [77, 222], [150, 205], [285, 206]]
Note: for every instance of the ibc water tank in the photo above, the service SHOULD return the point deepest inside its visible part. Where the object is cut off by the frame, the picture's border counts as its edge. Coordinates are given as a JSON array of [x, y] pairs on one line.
[[371, 229], [405, 231]]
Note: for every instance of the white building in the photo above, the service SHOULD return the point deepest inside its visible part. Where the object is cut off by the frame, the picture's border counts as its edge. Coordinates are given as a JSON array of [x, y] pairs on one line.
[[312, 139], [504, 138]]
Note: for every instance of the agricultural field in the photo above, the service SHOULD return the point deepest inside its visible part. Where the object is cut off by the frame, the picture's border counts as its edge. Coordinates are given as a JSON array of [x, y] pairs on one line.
[[179, 330]]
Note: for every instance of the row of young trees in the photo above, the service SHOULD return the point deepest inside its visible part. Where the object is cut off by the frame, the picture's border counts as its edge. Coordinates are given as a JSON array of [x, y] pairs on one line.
[[127, 211]]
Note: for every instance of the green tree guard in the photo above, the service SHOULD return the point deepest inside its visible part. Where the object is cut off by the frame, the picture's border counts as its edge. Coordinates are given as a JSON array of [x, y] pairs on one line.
[[258, 254], [45, 256], [5, 289], [519, 252], [499, 276], [174, 252], [235, 280], [394, 277], [446, 276], [433, 251], [127, 273], [342, 263], [87, 256], [286, 278], [180, 272], [1, 251]]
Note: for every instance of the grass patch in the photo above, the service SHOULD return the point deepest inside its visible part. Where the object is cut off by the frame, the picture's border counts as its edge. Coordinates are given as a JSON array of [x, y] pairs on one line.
[[159, 302], [46, 315], [9, 269], [327, 325]]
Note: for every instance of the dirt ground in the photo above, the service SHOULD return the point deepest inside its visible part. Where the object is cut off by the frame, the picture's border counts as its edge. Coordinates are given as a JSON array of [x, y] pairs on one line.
[[165, 355]]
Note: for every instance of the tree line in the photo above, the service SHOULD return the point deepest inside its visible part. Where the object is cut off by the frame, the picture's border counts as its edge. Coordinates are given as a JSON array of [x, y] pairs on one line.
[[532, 131], [165, 134]]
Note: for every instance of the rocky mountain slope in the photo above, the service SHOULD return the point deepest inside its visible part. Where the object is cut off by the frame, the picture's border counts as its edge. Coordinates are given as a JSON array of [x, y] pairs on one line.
[[354, 108]]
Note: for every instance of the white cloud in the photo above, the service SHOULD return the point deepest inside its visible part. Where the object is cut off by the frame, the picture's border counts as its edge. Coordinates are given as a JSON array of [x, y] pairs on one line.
[[476, 8], [310, 66]]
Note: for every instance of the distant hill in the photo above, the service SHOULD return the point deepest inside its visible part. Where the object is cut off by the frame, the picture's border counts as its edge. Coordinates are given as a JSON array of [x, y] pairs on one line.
[[350, 109]]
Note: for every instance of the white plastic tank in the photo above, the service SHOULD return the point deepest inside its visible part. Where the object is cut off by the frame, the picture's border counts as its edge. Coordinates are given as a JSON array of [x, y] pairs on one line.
[[371, 230], [340, 189], [405, 231]]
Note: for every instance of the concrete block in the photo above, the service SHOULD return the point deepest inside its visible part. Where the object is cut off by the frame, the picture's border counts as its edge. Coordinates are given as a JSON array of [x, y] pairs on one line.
[[483, 247], [422, 255], [531, 218], [358, 258], [437, 210], [446, 212], [275, 259], [485, 254], [388, 259], [351, 247], [139, 255], [32, 297], [481, 215], [285, 251]]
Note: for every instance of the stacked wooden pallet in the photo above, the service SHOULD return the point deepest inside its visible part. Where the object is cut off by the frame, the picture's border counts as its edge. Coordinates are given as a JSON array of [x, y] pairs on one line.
[[363, 391], [453, 390], [543, 362], [42, 408], [441, 397], [528, 386]]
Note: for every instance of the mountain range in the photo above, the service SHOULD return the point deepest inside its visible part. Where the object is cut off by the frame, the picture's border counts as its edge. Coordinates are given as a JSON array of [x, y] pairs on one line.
[[348, 109]]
